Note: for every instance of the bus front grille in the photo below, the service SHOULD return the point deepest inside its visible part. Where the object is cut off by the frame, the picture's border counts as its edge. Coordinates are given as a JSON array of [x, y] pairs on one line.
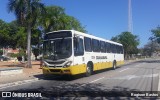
[[57, 62], [55, 70], [55, 66]]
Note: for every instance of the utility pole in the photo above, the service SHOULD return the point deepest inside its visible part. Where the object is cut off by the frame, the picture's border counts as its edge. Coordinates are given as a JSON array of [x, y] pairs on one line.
[[130, 27]]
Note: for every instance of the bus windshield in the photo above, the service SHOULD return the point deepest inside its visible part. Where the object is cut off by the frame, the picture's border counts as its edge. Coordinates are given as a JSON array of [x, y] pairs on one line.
[[57, 49]]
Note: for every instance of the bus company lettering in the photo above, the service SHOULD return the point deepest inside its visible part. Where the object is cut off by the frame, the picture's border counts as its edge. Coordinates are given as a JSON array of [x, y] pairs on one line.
[[93, 57], [101, 57]]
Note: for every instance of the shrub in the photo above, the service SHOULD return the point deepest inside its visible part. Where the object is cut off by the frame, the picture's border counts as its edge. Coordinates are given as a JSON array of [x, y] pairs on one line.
[[1, 52]]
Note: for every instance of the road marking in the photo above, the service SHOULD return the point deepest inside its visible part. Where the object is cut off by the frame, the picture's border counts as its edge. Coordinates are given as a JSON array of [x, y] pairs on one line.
[[129, 77], [96, 80], [123, 70], [91, 82], [3, 86]]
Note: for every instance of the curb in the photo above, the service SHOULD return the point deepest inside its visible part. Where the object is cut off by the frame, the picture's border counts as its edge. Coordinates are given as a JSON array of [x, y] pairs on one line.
[[2, 86], [159, 83]]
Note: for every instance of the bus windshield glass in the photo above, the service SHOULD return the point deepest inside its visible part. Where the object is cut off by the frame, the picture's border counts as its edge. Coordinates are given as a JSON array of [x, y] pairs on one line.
[[57, 48]]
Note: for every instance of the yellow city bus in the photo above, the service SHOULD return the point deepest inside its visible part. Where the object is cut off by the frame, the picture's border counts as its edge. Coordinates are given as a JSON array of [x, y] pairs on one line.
[[69, 52]]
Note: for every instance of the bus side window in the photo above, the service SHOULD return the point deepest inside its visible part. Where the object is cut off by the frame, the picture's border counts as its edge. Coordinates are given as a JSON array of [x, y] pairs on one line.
[[87, 43], [121, 49], [95, 45], [109, 47], [102, 45], [115, 49], [118, 49], [78, 46]]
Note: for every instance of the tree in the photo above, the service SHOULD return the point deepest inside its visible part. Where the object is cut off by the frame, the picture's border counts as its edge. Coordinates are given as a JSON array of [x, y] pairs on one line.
[[27, 12], [116, 39], [56, 19], [36, 41], [50, 21], [13, 29], [153, 45], [4, 34], [150, 48], [70, 22], [156, 34], [129, 41], [1, 52], [21, 38], [11, 35]]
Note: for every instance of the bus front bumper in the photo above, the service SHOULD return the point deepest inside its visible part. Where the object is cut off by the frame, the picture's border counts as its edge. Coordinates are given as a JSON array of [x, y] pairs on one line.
[[71, 70], [58, 71]]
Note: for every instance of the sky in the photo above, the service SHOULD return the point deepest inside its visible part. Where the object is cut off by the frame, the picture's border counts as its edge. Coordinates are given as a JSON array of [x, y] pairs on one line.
[[106, 18]]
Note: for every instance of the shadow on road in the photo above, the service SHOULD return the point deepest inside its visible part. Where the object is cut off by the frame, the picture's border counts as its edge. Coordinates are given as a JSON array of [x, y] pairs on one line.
[[68, 77], [58, 77], [149, 61], [77, 91]]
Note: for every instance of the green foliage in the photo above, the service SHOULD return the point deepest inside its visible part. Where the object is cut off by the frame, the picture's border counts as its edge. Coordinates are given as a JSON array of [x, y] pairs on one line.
[[13, 55], [30, 15], [4, 34], [153, 46], [150, 48], [20, 54], [50, 21], [21, 37], [116, 39], [72, 23], [12, 35], [27, 12], [1, 52], [36, 37], [129, 41], [56, 19], [36, 52], [156, 34]]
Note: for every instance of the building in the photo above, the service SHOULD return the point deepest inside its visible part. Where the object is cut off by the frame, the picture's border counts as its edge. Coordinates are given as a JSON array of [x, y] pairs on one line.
[[9, 51]]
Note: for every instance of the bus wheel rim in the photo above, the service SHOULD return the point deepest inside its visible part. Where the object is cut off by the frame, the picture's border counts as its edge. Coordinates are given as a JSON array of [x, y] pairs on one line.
[[114, 66], [88, 69]]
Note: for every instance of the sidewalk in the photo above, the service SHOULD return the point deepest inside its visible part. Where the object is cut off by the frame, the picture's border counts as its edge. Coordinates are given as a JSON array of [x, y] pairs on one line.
[[28, 73]]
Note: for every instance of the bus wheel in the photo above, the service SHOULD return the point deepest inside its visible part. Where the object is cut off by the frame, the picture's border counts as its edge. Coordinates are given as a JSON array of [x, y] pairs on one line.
[[114, 65], [89, 70]]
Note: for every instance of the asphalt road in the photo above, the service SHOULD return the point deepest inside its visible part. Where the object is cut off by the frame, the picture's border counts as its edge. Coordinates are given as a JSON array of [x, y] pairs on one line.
[[139, 77]]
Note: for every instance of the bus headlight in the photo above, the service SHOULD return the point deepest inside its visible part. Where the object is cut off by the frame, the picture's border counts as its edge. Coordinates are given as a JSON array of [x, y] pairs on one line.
[[44, 64], [67, 64]]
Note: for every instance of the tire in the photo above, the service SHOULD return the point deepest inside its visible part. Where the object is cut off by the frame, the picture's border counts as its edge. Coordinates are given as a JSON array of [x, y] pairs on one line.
[[88, 70], [114, 65]]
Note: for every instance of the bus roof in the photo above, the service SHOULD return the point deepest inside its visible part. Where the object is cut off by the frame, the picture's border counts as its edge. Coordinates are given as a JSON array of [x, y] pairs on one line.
[[87, 35]]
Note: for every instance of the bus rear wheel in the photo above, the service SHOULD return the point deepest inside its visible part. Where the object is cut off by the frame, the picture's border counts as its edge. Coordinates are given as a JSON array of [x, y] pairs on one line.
[[89, 70]]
